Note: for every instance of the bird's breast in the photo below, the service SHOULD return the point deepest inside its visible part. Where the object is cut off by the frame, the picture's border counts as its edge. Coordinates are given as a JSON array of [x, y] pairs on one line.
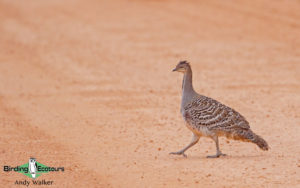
[[194, 127]]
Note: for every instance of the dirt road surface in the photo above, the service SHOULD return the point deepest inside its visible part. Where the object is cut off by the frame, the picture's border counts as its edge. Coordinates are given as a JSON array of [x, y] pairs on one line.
[[88, 85]]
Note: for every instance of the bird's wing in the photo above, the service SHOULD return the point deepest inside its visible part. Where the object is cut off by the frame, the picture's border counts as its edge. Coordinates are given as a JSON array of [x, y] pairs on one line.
[[208, 112]]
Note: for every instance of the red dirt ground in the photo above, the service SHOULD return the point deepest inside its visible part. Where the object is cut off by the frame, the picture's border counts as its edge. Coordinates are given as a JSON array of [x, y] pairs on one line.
[[88, 85]]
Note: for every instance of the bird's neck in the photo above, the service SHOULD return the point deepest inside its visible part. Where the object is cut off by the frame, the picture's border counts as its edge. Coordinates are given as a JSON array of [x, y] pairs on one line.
[[187, 86]]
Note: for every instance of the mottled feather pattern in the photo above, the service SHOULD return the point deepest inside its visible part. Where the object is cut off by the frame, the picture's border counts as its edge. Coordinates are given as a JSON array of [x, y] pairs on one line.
[[206, 116], [204, 111]]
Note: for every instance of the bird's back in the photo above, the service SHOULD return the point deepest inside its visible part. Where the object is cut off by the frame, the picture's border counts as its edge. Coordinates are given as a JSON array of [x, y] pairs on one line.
[[206, 113]]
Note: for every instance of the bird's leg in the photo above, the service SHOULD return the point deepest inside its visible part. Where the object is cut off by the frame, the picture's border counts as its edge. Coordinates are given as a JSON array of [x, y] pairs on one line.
[[219, 153], [195, 139]]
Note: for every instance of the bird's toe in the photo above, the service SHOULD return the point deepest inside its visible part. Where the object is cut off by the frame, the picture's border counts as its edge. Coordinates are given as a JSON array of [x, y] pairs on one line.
[[216, 156], [178, 153], [212, 156]]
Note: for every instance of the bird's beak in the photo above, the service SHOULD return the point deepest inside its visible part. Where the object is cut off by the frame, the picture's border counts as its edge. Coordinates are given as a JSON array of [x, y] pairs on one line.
[[174, 70]]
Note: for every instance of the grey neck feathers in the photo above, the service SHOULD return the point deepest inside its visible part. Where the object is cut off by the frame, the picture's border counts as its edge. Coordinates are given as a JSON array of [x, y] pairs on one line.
[[188, 91]]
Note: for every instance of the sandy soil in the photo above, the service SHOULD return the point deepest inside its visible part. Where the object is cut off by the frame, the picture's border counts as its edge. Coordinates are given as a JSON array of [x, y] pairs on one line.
[[88, 85]]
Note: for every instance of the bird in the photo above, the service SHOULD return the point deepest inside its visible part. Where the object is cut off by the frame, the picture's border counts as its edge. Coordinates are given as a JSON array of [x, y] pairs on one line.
[[32, 166], [207, 117]]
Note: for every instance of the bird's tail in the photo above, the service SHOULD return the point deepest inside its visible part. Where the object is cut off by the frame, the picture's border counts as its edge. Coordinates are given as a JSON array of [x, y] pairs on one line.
[[259, 141]]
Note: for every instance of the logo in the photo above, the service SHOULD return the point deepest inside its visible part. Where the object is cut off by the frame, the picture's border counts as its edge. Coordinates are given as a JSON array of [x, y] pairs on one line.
[[33, 169]]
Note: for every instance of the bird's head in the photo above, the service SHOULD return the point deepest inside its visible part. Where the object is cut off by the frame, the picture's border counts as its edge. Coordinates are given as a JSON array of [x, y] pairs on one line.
[[182, 66], [32, 160]]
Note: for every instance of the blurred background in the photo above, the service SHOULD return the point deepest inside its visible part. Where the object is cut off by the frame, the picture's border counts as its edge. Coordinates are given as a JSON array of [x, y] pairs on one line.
[[88, 85]]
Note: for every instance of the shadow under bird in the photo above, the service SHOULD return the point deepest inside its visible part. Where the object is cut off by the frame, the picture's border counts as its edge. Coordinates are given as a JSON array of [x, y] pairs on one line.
[[205, 116]]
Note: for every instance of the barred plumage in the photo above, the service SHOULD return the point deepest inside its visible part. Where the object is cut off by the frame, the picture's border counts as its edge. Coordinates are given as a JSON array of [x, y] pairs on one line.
[[205, 116], [204, 111]]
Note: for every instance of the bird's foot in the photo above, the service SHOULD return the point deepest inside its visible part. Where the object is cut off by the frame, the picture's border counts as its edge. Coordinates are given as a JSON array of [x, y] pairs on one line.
[[217, 155], [179, 153]]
